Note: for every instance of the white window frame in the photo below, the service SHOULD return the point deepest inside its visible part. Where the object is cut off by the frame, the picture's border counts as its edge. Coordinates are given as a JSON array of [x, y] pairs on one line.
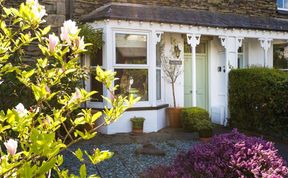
[[149, 102], [162, 100], [282, 8]]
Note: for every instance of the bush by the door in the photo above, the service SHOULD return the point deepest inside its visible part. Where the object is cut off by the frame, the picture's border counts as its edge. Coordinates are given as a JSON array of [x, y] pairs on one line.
[[195, 118]]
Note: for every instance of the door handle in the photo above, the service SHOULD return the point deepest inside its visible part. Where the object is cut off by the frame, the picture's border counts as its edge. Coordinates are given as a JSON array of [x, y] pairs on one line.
[[191, 91]]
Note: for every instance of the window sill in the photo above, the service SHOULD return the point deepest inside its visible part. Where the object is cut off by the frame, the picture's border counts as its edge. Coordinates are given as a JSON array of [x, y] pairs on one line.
[[282, 11], [145, 108]]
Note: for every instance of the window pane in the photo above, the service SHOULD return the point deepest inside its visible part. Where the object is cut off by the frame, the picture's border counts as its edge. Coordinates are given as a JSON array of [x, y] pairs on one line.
[[280, 3], [132, 81], [96, 86], [158, 84], [280, 56], [97, 58], [131, 49], [240, 61], [158, 55], [286, 4]]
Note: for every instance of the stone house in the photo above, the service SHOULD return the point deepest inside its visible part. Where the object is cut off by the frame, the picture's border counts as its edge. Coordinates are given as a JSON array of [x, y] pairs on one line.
[[210, 36]]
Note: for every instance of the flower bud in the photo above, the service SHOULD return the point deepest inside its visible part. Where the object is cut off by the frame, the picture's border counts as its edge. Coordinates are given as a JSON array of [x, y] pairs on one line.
[[11, 146], [53, 41]]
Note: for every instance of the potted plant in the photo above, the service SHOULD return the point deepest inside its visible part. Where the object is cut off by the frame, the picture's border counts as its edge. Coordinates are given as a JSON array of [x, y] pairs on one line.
[[172, 68], [137, 125], [204, 128]]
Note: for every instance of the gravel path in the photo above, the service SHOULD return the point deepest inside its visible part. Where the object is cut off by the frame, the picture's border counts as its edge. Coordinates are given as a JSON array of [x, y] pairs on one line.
[[125, 163]]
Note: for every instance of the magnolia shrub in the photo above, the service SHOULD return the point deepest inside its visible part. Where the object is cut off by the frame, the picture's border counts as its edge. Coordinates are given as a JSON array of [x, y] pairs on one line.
[[30, 146]]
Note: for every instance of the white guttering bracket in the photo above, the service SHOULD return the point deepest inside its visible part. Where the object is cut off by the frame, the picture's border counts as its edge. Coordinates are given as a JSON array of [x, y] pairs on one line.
[[265, 44]]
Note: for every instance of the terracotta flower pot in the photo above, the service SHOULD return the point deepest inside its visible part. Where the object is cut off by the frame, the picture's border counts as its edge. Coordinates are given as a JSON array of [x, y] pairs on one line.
[[174, 117], [137, 125], [205, 135]]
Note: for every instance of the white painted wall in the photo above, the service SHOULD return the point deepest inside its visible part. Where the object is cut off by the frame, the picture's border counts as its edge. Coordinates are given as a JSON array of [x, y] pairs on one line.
[[179, 85], [217, 79], [154, 121]]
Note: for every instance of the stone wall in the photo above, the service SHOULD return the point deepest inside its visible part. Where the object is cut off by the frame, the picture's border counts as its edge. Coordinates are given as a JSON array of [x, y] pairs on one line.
[[55, 8], [245, 7]]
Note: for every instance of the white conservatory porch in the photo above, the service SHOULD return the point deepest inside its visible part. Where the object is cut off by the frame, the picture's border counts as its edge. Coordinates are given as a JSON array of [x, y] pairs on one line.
[[226, 49]]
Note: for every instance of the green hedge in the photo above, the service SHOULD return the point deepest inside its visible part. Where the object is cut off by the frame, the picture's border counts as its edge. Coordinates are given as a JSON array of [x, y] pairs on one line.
[[194, 119], [258, 100]]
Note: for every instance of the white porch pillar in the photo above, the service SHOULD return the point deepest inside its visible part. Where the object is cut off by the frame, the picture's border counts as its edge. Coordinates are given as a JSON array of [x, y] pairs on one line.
[[193, 40], [107, 54], [265, 44], [224, 43], [231, 45], [156, 38]]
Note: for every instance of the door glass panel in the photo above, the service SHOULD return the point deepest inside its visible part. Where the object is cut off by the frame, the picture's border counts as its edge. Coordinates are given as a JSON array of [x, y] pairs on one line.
[[201, 48]]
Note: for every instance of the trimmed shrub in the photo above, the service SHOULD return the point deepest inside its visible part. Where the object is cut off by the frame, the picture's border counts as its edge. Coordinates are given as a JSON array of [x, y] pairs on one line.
[[258, 100], [227, 155], [195, 118]]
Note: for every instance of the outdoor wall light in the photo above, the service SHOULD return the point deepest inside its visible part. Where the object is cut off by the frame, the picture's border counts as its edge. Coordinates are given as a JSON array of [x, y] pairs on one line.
[[177, 51]]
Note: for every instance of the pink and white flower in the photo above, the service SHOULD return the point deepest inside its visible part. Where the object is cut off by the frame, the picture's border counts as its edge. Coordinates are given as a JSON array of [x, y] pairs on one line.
[[38, 10], [75, 96], [11, 146], [53, 41], [69, 29], [20, 109]]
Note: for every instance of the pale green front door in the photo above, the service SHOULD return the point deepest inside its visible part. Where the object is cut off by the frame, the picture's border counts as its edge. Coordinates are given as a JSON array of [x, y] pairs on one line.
[[201, 80]]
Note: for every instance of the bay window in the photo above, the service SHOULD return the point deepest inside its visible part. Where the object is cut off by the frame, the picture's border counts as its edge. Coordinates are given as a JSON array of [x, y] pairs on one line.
[[131, 65]]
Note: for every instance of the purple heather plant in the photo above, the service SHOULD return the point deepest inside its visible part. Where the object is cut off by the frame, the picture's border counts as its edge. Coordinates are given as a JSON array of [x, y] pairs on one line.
[[227, 155]]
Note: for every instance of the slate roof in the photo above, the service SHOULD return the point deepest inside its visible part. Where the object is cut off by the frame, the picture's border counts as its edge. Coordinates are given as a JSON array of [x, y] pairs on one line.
[[173, 15]]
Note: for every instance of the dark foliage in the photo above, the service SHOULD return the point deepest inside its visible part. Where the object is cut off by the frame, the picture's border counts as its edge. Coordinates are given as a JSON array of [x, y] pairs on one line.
[[258, 100], [227, 155]]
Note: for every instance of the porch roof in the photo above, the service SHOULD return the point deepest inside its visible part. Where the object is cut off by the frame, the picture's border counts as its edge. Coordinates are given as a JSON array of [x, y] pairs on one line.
[[148, 13]]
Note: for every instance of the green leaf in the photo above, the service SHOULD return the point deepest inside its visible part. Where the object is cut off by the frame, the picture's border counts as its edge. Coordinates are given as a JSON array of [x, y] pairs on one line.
[[96, 116], [79, 154], [79, 121], [46, 166], [46, 30], [99, 156], [83, 173]]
